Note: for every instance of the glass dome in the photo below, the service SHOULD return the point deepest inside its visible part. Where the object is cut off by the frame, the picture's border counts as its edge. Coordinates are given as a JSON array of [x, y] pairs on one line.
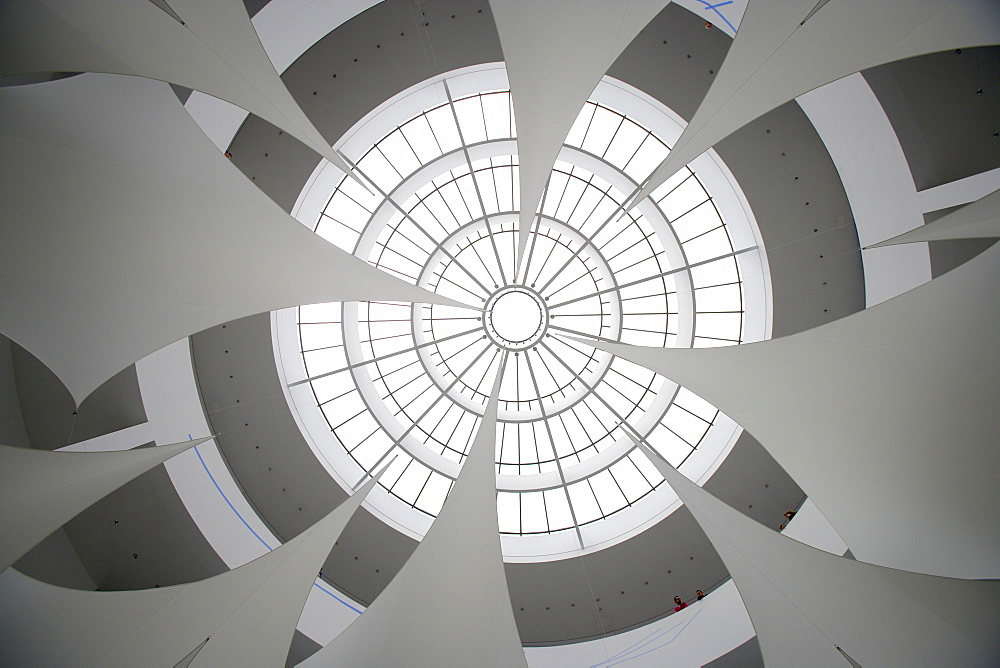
[[407, 383]]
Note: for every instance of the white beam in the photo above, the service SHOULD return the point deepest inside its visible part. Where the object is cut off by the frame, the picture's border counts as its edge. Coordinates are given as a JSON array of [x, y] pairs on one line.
[[863, 145], [215, 50], [805, 604], [41, 490], [122, 439], [247, 614], [556, 53], [959, 192], [886, 418], [125, 230], [449, 604], [775, 57], [978, 220]]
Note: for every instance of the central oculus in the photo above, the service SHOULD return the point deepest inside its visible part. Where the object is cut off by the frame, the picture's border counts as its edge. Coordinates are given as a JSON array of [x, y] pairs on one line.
[[515, 318]]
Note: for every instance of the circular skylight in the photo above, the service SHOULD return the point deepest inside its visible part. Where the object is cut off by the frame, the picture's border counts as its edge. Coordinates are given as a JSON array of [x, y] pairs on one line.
[[516, 318], [407, 383]]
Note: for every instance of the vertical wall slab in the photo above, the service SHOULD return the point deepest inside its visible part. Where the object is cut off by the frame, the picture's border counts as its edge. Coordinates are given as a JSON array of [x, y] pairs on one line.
[[207, 46]]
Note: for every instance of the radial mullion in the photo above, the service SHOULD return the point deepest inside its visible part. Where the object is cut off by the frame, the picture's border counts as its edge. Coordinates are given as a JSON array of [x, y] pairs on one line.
[[560, 387], [382, 376], [621, 121], [579, 333], [479, 257], [444, 360], [461, 287], [384, 357], [588, 272], [589, 183], [654, 256], [555, 455], [442, 395], [468, 160], [569, 438], [637, 242], [556, 241], [420, 227], [686, 267], [402, 409], [476, 389], [324, 214], [590, 239]]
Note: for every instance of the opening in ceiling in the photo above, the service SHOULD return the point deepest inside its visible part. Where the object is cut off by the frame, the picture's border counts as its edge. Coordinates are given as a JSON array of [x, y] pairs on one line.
[[408, 383]]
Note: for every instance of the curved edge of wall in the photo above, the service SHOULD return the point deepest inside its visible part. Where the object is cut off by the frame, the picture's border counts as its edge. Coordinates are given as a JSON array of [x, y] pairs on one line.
[[208, 490], [676, 640]]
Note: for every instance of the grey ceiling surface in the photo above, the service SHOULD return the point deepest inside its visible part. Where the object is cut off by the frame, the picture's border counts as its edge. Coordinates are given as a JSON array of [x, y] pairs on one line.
[[746, 655], [141, 536], [816, 272], [51, 416], [945, 109]]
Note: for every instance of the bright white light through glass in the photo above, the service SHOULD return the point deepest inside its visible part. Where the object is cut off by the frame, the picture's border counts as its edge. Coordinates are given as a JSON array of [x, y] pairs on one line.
[[409, 382], [516, 317]]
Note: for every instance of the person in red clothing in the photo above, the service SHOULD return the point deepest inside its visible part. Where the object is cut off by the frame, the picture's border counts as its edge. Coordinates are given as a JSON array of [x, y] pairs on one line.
[[680, 604]]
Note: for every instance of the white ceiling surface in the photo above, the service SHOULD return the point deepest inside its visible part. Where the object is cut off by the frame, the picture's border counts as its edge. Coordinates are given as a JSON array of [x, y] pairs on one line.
[[871, 164], [127, 230], [978, 220], [248, 614], [556, 53], [41, 490], [215, 51], [449, 604], [804, 603], [774, 59], [886, 418]]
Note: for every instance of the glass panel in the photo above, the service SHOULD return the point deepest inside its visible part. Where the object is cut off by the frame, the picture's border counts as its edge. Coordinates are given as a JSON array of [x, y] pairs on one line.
[[585, 401]]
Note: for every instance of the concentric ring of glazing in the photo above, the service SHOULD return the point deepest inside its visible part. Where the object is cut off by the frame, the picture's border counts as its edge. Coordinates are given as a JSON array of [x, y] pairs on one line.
[[566, 455]]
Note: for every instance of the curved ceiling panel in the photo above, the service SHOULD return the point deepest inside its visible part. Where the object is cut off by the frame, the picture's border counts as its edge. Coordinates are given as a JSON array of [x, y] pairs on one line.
[[206, 46], [248, 614], [127, 230], [783, 50], [886, 418], [556, 53], [978, 220]]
